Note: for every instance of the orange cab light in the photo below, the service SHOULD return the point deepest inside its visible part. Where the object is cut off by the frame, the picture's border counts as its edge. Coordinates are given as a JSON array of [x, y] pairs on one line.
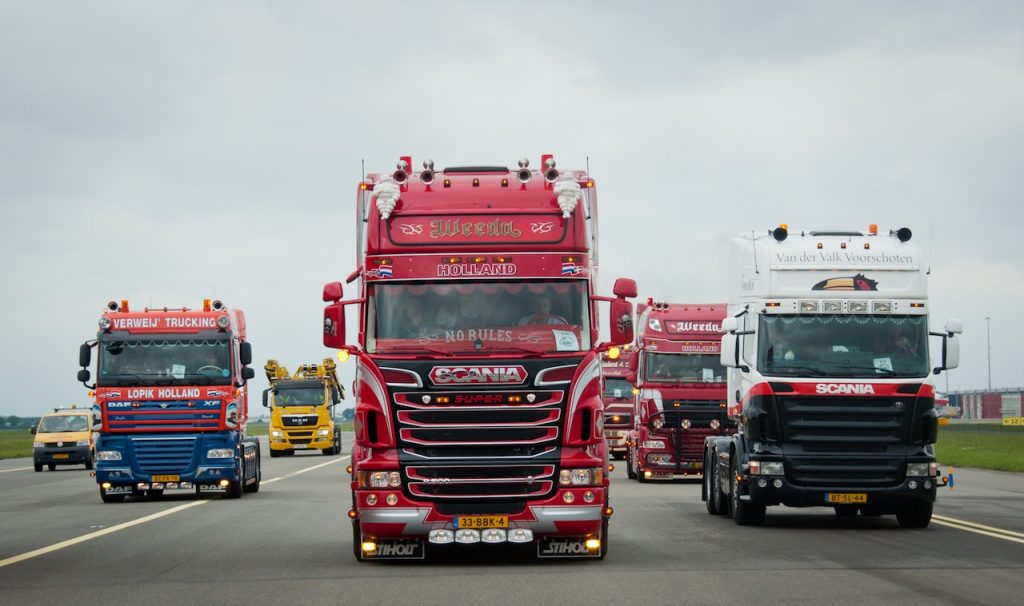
[[453, 260], [382, 261], [206, 305], [917, 304], [479, 260], [820, 245], [842, 245], [443, 399], [447, 182], [476, 182], [569, 259], [362, 186], [873, 229], [515, 399], [504, 182], [772, 304], [784, 226], [589, 184], [124, 305], [501, 259], [867, 246]]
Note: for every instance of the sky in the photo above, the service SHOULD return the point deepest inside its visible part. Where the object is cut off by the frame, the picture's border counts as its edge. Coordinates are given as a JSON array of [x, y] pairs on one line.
[[168, 152]]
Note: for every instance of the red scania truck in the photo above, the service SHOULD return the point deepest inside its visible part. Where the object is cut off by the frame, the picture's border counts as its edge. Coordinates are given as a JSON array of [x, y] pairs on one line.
[[478, 365], [682, 389], [618, 401], [171, 402], [830, 377]]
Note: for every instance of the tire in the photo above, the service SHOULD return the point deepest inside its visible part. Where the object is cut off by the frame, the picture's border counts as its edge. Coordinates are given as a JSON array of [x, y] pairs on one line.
[[846, 511], [88, 464], [604, 539], [51, 466], [234, 490], [630, 470], [708, 490], [916, 514], [744, 514], [357, 542], [155, 494], [721, 502], [38, 466], [274, 453], [111, 498], [255, 486], [288, 453]]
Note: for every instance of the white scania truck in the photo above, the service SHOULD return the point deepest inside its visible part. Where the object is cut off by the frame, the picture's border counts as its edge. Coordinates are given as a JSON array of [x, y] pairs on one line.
[[830, 378]]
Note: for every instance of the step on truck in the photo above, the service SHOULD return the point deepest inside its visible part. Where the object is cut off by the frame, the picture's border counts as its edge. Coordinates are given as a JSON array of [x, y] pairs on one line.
[[618, 400], [478, 413], [171, 402], [302, 408], [830, 377], [681, 384]]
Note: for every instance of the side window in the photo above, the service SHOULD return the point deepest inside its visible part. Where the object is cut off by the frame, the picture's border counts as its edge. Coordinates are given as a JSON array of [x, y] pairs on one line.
[[747, 340]]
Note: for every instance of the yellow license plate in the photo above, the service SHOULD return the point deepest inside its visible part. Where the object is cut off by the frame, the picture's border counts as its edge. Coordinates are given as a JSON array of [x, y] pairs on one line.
[[62, 456], [174, 478], [481, 522], [846, 497]]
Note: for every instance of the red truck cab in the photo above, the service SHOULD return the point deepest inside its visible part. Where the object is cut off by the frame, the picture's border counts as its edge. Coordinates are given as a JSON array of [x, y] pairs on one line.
[[618, 400]]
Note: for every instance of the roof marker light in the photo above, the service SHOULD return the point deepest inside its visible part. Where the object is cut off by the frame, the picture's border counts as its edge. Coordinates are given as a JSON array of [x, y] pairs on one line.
[[206, 305], [873, 229]]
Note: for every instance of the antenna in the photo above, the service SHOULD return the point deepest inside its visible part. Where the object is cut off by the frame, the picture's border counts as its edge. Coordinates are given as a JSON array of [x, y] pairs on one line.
[[588, 166], [753, 248], [931, 248]]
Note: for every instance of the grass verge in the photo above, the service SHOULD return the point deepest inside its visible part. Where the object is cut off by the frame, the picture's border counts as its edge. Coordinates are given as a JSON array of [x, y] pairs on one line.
[[15, 443], [983, 446]]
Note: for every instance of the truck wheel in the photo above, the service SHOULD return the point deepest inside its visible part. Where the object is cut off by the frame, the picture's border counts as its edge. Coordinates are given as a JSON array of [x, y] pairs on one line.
[[917, 514], [744, 514], [357, 542], [255, 486], [274, 453], [234, 490], [155, 494], [710, 497], [630, 470], [38, 466], [88, 463], [51, 466], [111, 498], [604, 539]]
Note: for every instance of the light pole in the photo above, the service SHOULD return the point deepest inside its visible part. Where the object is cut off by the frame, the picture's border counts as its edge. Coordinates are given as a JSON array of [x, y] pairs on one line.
[[988, 336]]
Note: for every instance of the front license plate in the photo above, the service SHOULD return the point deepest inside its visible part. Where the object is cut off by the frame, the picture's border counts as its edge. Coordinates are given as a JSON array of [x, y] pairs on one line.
[[481, 522], [62, 455], [846, 497], [173, 478]]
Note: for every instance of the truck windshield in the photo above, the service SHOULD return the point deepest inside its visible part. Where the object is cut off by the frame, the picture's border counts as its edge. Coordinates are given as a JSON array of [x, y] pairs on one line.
[[617, 388], [478, 317], [843, 346], [164, 361], [684, 368], [299, 396], [57, 423]]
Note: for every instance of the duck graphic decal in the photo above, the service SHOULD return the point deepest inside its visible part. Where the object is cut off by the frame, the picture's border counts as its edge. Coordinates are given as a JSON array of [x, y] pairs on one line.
[[858, 282]]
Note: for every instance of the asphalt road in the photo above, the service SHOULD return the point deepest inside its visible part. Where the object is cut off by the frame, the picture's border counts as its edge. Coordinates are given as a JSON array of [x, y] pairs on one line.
[[291, 543]]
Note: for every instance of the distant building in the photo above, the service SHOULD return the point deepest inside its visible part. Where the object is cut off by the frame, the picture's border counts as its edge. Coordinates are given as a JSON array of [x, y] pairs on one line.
[[992, 404]]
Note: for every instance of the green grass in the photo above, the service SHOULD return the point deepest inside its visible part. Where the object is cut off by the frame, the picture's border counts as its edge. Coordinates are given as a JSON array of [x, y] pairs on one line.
[[984, 446], [15, 443]]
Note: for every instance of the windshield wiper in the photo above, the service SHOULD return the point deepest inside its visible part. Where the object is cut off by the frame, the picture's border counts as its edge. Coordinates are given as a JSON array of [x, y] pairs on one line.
[[888, 372], [796, 368], [417, 350]]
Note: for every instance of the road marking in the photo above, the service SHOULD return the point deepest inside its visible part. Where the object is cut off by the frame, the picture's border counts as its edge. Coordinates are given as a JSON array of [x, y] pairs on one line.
[[15, 469], [989, 531], [97, 534], [154, 516], [301, 471]]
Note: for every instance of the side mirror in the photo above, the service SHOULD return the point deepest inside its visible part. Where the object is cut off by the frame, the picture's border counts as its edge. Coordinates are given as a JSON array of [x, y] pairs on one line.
[[266, 395], [950, 352], [334, 322], [84, 355], [332, 292], [83, 375], [729, 356], [953, 327], [245, 353], [622, 320], [729, 325], [624, 288], [248, 373], [631, 377], [32, 430], [634, 362], [336, 395]]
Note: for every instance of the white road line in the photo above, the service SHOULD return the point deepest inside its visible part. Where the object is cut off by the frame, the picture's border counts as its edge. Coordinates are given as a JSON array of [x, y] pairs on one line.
[[15, 469], [155, 516], [301, 471], [980, 528]]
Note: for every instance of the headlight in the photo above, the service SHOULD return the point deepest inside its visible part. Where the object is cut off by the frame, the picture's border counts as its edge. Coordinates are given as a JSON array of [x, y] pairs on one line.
[[220, 453], [591, 476], [766, 468], [715, 423], [659, 458], [108, 455], [922, 469], [685, 423], [653, 444], [658, 423], [323, 433], [380, 479], [276, 433], [82, 443], [38, 444]]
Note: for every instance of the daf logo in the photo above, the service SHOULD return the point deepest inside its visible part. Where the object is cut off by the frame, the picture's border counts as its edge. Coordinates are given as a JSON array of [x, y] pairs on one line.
[[899, 404], [164, 404]]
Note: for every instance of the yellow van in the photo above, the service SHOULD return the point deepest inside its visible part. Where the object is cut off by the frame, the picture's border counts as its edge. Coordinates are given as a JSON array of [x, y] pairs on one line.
[[64, 437]]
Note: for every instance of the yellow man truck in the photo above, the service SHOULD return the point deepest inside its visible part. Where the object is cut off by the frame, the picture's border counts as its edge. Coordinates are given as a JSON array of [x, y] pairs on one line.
[[302, 408]]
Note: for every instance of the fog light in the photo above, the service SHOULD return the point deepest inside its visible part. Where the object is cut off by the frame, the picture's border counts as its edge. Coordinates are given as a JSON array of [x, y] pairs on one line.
[[912, 485], [493, 535], [927, 484], [568, 497], [715, 423], [158, 485], [391, 499], [371, 499], [441, 536], [467, 535], [352, 514], [593, 544], [647, 474], [224, 483], [105, 485], [520, 535], [172, 486], [187, 485], [777, 482], [762, 483], [369, 546], [588, 497], [142, 486]]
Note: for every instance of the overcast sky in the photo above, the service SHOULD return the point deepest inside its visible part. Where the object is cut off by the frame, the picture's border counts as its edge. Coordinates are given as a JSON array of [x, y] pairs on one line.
[[167, 152]]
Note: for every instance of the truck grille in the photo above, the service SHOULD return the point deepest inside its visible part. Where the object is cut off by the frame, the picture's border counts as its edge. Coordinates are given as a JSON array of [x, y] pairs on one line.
[[166, 415], [298, 420], [844, 442], [164, 455], [473, 481]]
